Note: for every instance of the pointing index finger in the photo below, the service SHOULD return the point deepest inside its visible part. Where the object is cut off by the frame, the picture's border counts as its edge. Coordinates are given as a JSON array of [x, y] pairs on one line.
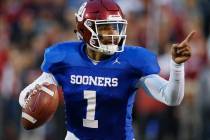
[[189, 37]]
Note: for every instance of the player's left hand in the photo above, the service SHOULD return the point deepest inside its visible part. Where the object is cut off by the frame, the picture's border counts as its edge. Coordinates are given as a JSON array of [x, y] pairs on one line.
[[182, 52]]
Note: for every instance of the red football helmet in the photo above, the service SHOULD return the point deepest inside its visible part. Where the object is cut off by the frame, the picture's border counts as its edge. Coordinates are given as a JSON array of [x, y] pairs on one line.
[[93, 15]]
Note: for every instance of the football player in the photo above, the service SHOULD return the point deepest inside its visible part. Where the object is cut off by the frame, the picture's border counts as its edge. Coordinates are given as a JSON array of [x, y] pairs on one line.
[[99, 74]]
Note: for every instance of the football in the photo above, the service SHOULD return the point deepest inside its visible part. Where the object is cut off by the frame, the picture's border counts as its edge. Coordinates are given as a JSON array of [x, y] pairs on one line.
[[40, 106]]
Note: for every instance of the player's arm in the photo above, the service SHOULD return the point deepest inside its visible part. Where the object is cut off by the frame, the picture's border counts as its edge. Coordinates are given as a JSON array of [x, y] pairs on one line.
[[43, 78], [170, 92]]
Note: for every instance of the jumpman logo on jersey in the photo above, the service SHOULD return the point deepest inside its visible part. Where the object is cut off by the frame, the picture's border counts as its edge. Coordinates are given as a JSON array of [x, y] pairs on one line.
[[116, 61]]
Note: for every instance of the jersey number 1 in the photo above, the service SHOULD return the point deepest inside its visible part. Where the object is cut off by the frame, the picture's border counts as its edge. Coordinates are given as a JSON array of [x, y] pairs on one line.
[[89, 121]]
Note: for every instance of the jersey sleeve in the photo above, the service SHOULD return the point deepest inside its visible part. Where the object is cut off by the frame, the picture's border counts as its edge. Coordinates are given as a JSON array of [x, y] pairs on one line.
[[52, 57], [145, 62]]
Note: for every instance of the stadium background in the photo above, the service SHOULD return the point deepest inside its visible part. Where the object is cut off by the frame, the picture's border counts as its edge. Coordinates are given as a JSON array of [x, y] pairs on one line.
[[27, 27]]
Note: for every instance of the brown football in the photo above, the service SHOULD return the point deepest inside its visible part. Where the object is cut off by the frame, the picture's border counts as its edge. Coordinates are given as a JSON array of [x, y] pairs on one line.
[[40, 107]]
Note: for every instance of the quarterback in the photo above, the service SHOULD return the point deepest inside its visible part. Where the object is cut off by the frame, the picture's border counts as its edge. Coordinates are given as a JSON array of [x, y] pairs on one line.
[[99, 74]]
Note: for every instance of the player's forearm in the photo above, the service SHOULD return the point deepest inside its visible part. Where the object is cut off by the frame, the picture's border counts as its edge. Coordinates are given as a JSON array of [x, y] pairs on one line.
[[169, 92], [175, 87], [44, 78]]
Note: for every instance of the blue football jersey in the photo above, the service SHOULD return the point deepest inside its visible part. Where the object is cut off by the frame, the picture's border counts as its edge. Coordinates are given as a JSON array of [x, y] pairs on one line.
[[98, 97]]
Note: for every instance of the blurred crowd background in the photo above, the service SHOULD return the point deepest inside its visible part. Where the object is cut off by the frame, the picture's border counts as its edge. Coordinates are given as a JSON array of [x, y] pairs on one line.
[[27, 27]]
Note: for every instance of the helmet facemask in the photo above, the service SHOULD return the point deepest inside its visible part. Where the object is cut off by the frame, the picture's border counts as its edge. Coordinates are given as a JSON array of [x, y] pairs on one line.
[[107, 36]]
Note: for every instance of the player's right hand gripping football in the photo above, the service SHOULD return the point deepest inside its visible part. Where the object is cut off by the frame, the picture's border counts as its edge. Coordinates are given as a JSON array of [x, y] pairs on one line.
[[182, 52], [34, 91], [30, 93]]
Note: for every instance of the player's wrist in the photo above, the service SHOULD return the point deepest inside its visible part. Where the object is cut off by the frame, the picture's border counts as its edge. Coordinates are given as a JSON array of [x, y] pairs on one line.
[[175, 64], [176, 69]]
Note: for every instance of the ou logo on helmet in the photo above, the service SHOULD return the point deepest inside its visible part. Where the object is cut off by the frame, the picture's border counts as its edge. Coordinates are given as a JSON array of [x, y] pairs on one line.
[[81, 12]]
